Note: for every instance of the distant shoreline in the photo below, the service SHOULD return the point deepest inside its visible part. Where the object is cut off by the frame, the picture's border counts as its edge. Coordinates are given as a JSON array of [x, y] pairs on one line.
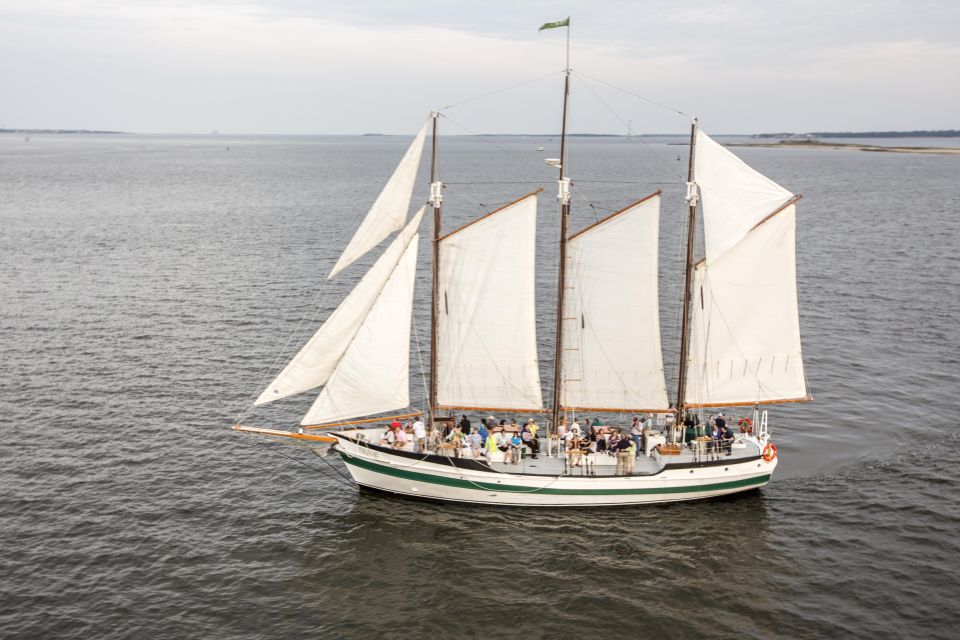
[[816, 144], [38, 131]]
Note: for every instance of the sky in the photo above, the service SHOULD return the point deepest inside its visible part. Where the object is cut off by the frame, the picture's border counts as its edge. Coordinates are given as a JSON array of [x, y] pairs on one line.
[[346, 67]]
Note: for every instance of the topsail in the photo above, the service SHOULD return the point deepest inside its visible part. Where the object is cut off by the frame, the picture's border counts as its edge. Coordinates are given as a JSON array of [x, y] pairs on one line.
[[389, 211]]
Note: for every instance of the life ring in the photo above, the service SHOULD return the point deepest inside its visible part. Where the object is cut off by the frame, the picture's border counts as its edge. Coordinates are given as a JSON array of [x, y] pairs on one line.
[[770, 452], [746, 425]]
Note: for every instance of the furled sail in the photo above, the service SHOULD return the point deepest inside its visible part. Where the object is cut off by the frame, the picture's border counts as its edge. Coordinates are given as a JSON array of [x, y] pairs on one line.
[[745, 342], [486, 324], [374, 374], [314, 363], [611, 338], [389, 211]]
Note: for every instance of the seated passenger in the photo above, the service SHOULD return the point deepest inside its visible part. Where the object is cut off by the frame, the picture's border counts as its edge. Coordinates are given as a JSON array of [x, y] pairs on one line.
[[476, 443], [400, 438], [574, 454], [515, 444], [614, 442], [389, 438]]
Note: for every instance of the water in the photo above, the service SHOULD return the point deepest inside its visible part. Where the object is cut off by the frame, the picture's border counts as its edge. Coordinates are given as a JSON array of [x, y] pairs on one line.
[[149, 284]]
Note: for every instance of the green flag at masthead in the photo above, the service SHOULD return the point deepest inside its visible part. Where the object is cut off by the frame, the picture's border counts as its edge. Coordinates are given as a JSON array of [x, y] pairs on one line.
[[554, 25]]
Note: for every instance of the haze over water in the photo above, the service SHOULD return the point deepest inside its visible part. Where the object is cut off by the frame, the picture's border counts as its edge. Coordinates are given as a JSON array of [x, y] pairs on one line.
[[151, 285]]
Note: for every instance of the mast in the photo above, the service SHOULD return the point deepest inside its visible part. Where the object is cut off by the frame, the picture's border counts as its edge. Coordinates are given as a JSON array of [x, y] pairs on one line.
[[563, 196], [436, 199], [691, 236]]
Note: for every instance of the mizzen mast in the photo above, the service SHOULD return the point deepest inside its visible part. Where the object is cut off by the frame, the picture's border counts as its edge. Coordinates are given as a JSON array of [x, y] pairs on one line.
[[563, 195]]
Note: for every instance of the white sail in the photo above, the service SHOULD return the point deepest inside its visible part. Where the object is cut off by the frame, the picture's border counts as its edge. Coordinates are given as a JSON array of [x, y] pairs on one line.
[[745, 343], [612, 356], [389, 211], [374, 374], [486, 324], [735, 197], [314, 363]]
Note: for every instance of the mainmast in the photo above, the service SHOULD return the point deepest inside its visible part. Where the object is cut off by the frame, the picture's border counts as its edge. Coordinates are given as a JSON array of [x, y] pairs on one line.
[[563, 195], [436, 199], [688, 273]]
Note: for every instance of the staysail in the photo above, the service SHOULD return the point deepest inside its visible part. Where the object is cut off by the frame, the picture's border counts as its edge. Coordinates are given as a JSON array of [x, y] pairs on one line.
[[745, 342], [486, 322], [611, 342], [389, 211], [315, 362], [374, 374]]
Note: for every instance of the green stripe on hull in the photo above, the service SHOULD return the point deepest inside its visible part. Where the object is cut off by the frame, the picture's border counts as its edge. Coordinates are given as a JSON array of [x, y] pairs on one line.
[[486, 486]]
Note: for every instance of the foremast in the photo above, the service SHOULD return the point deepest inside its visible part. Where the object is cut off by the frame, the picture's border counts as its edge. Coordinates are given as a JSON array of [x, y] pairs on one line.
[[691, 200], [436, 199]]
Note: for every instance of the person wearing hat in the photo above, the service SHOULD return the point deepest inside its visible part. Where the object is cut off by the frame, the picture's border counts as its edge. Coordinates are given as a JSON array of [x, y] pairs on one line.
[[720, 421]]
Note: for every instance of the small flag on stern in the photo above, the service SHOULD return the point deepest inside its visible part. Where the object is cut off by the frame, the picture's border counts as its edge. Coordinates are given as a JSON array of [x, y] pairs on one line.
[[554, 25]]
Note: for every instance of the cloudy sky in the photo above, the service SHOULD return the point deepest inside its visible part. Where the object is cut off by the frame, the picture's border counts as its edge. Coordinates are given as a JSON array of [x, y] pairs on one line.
[[339, 66]]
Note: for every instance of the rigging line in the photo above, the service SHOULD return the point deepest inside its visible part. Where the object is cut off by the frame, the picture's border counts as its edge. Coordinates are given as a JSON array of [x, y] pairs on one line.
[[311, 467], [491, 93], [316, 303], [497, 182], [650, 182], [323, 458], [519, 159], [636, 95], [423, 375], [627, 125]]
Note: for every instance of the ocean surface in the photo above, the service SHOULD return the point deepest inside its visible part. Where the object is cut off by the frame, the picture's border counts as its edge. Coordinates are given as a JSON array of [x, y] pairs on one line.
[[151, 285]]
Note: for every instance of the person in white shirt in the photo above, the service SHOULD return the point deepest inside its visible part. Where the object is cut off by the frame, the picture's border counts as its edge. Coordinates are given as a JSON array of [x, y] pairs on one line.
[[419, 435]]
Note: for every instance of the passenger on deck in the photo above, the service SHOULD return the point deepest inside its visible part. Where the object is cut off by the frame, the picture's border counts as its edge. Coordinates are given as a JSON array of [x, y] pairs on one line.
[[623, 454], [401, 438], [574, 454], [636, 433], [485, 427], [419, 436], [632, 454], [526, 436], [726, 440], [464, 425], [601, 442], [396, 424], [389, 438], [515, 444], [575, 428], [614, 443], [456, 439], [434, 438], [490, 448], [476, 443], [503, 444], [720, 421]]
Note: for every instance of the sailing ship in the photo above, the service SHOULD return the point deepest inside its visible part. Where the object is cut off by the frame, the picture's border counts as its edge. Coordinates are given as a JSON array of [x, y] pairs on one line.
[[739, 344]]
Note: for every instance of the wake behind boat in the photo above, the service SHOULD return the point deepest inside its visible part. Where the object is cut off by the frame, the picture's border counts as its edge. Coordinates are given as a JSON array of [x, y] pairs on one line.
[[739, 347]]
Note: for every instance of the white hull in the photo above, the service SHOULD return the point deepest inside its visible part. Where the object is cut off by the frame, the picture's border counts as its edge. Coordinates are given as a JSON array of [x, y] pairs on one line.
[[379, 469]]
